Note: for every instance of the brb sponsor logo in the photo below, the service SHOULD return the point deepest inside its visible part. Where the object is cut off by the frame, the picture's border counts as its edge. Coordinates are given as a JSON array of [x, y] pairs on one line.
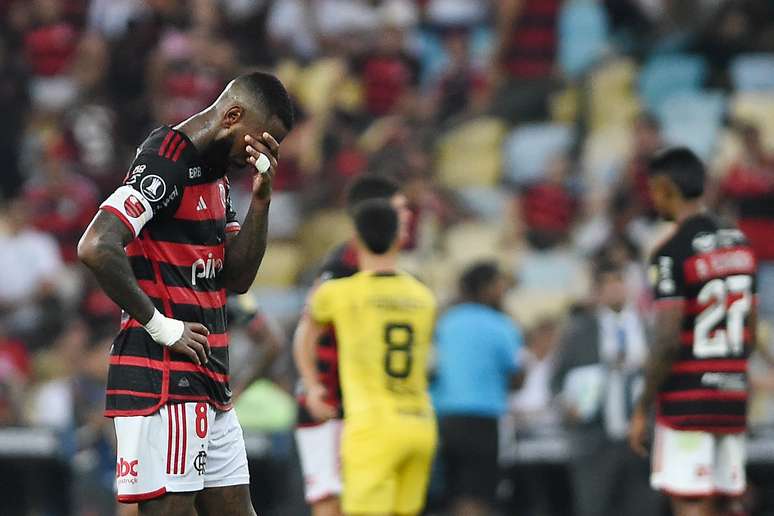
[[126, 471], [205, 269]]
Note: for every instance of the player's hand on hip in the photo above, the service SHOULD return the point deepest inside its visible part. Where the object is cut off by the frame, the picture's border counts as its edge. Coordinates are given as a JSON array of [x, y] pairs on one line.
[[262, 153], [320, 409], [638, 432], [193, 343]]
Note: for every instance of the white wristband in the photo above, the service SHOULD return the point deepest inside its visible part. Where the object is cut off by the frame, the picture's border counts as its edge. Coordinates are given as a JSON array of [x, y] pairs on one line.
[[164, 330]]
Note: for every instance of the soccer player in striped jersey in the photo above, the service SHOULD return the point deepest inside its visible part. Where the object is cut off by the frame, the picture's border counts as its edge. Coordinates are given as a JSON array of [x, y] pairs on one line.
[[166, 246], [704, 285]]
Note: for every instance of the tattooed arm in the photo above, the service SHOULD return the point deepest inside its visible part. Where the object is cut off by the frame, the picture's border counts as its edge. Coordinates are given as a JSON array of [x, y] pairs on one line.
[[663, 353], [101, 249]]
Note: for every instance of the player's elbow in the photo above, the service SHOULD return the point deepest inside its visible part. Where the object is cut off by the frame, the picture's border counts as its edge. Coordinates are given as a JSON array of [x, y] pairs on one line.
[[238, 287], [90, 249]]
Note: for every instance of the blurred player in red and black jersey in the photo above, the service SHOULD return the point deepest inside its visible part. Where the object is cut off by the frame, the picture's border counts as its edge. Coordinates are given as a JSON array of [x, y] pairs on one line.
[[320, 414], [165, 247], [704, 284]]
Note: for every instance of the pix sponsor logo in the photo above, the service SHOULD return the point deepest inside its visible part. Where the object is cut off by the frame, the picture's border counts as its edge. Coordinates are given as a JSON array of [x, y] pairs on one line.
[[194, 172], [205, 269], [126, 471]]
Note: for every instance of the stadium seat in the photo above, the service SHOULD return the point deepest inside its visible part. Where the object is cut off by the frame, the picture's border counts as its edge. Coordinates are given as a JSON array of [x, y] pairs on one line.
[[472, 241], [471, 154], [756, 108], [753, 72], [583, 35], [603, 153], [612, 99], [528, 149], [693, 120], [280, 265], [485, 202], [317, 84], [321, 232], [666, 75]]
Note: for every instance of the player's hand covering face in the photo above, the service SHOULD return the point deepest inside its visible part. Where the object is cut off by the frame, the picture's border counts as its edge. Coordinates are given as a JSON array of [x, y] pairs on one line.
[[264, 145]]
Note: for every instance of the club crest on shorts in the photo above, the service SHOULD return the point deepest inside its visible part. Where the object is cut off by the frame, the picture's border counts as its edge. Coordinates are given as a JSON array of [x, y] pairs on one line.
[[153, 187], [200, 462]]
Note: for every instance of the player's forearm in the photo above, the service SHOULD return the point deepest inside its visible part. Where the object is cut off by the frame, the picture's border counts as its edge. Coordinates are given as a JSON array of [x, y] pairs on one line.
[[106, 258], [305, 351], [662, 355], [245, 251]]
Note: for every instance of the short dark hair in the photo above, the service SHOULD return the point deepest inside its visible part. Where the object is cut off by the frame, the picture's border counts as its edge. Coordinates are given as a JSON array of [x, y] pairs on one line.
[[477, 277], [370, 186], [376, 222], [682, 167], [603, 266], [271, 93]]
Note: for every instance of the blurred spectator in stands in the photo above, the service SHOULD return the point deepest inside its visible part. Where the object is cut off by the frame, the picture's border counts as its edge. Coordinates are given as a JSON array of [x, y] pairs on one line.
[[477, 349], [456, 13], [59, 201], [111, 18], [625, 254], [388, 72], [541, 488], [532, 405], [633, 177], [32, 264], [538, 488], [632, 22], [460, 85], [127, 78], [256, 343], [13, 105], [95, 436], [734, 28], [598, 369], [549, 206], [525, 56], [187, 72], [53, 399], [14, 378], [49, 46]]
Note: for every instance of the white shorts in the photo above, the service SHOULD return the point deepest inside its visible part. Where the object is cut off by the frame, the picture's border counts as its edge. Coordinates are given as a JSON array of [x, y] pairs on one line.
[[318, 447], [181, 448], [698, 464]]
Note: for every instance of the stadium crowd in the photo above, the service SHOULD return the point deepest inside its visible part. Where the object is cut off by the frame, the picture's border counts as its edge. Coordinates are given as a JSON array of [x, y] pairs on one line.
[[518, 129]]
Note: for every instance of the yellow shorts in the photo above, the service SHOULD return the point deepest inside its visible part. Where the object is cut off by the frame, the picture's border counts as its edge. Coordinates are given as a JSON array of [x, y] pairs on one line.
[[386, 466]]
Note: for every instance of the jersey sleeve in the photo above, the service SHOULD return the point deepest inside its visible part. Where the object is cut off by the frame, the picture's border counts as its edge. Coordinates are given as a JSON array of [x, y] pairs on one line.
[[153, 187], [666, 275], [321, 305]]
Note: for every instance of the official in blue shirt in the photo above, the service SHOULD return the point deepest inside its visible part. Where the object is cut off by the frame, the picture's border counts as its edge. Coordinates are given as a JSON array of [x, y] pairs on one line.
[[477, 348]]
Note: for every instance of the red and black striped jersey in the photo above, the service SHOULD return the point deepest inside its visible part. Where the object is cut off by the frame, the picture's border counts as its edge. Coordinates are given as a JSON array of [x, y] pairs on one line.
[[179, 211], [711, 270], [341, 263]]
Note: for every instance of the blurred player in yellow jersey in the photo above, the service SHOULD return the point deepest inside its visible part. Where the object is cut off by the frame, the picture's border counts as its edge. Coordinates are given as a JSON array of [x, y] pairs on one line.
[[384, 320]]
